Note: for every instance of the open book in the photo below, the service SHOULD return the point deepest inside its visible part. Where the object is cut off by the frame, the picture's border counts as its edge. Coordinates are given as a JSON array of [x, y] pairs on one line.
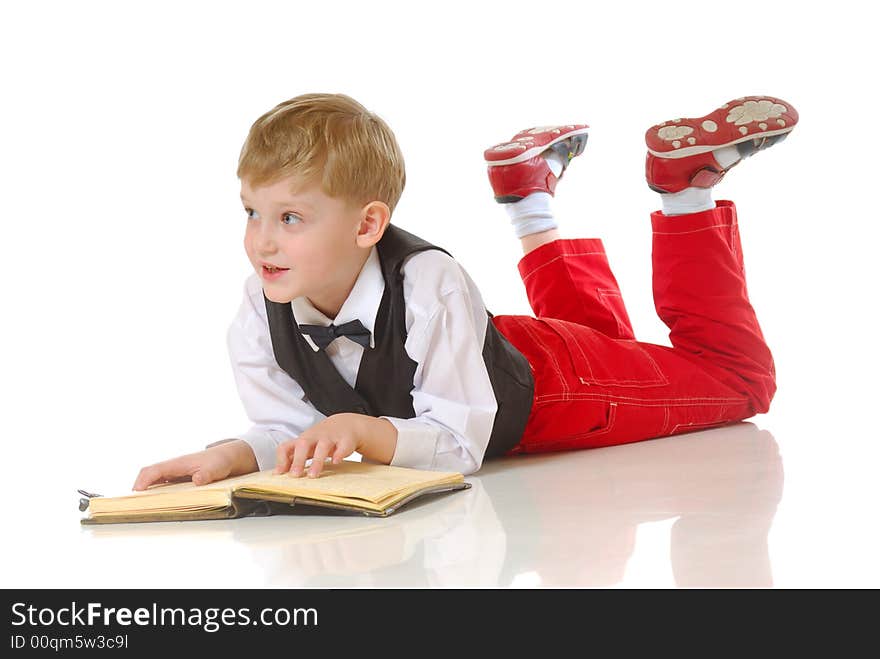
[[359, 487]]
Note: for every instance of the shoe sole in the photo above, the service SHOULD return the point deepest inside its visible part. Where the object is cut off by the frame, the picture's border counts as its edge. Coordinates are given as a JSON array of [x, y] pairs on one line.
[[727, 125], [530, 153]]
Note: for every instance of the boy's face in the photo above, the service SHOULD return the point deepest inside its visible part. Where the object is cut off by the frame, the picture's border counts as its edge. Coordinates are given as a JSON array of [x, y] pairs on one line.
[[312, 235]]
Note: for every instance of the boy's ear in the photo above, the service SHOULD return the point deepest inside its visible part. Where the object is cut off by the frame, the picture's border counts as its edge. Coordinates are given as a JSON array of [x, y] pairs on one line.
[[375, 217]]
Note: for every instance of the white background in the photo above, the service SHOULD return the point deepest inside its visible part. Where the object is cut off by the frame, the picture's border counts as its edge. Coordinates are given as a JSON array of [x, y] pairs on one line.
[[122, 259]]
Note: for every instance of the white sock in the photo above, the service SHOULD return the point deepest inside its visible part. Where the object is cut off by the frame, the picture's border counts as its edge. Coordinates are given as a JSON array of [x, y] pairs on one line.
[[689, 200], [532, 214]]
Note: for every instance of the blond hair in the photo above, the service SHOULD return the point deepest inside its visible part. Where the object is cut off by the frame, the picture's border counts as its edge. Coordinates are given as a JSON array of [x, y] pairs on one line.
[[328, 138]]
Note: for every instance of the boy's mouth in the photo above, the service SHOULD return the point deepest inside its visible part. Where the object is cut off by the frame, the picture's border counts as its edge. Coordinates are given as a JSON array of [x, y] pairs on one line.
[[271, 271], [270, 267]]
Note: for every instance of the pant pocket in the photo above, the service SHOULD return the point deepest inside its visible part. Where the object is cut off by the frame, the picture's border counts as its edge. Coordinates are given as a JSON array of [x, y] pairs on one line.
[[600, 360]]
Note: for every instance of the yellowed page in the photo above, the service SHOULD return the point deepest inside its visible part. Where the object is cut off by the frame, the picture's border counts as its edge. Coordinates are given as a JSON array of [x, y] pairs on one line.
[[352, 480], [348, 482], [158, 499]]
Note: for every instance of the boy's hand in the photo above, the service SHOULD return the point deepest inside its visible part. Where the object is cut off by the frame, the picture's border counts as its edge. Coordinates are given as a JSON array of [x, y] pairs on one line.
[[336, 437], [212, 464]]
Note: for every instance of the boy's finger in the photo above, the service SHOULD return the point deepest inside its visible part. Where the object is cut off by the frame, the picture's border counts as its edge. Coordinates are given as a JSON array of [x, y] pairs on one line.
[[282, 456], [150, 475], [203, 477], [322, 450], [339, 454], [302, 448], [164, 471], [144, 479]]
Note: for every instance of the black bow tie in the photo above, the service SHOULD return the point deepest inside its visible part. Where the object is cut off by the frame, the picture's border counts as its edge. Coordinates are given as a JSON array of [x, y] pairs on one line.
[[324, 336]]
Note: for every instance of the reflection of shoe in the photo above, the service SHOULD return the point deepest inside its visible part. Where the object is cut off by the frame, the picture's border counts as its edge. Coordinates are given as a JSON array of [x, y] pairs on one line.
[[517, 168], [680, 151]]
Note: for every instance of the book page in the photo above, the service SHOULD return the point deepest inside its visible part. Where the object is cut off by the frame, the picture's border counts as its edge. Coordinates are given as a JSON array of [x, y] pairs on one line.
[[348, 480], [169, 496], [355, 480]]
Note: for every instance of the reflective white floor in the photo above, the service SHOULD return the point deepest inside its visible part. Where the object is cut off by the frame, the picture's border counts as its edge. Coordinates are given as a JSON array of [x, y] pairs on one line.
[[702, 509], [718, 508]]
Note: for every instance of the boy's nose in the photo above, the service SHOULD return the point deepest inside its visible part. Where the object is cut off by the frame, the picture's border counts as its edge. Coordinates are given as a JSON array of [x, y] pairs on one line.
[[266, 238]]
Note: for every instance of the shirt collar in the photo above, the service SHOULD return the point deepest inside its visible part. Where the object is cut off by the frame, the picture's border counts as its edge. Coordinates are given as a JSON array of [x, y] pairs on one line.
[[361, 304]]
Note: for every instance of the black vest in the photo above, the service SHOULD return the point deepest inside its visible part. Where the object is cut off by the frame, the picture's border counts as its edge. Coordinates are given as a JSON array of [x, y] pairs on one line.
[[385, 375]]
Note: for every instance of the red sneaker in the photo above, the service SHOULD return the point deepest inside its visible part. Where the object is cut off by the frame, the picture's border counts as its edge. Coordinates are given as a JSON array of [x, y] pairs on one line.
[[517, 168], [680, 150]]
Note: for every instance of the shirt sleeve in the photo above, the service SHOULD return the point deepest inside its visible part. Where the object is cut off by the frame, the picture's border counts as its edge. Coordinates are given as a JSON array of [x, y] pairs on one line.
[[273, 401], [453, 399]]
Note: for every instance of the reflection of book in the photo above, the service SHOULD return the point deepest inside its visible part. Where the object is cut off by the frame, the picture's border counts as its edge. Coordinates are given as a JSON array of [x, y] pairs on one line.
[[366, 488]]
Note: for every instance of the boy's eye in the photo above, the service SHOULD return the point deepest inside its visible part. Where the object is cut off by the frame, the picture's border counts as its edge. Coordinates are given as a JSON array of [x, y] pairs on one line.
[[297, 219]]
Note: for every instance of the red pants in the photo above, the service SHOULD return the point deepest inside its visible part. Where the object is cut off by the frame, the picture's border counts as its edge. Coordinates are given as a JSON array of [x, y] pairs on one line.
[[595, 385]]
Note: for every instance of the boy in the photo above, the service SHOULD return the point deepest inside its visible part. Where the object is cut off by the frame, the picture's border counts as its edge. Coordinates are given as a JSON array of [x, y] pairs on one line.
[[355, 335]]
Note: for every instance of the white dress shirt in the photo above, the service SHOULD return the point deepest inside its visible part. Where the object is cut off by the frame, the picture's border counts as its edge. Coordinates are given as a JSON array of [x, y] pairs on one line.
[[446, 324]]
